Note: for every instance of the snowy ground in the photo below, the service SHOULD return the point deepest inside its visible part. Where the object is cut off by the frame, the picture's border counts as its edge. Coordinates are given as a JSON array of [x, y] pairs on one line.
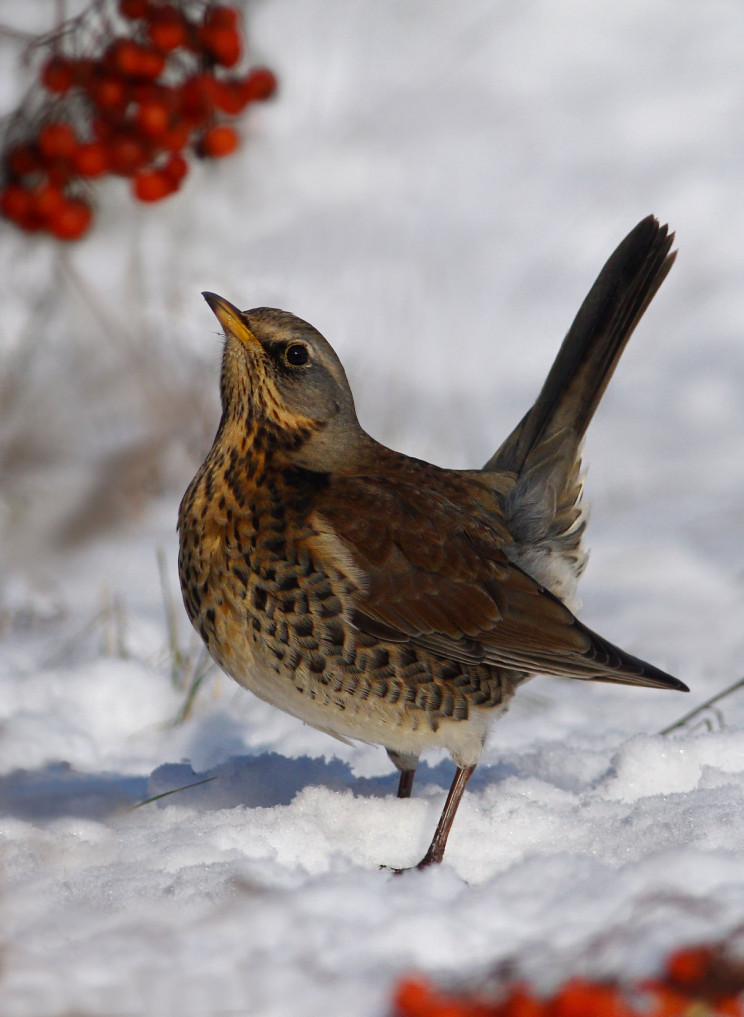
[[435, 189]]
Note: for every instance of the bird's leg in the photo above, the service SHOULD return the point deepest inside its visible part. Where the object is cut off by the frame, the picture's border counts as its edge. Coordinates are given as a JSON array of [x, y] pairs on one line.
[[436, 849], [407, 765], [405, 784]]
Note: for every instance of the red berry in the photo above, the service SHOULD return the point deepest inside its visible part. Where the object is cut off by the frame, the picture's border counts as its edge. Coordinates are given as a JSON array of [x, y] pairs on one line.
[[143, 91], [176, 138], [167, 28], [220, 34], [59, 172], [152, 185], [46, 200], [151, 64], [131, 60], [219, 141], [413, 998], [58, 74], [15, 202], [83, 71], [175, 168], [666, 1002], [152, 118], [221, 16], [729, 1006], [580, 998], [71, 220], [197, 98], [230, 97], [688, 967], [103, 128], [56, 141], [108, 93], [259, 84], [90, 159], [521, 1003], [222, 44], [22, 159], [121, 57], [126, 153], [134, 9]]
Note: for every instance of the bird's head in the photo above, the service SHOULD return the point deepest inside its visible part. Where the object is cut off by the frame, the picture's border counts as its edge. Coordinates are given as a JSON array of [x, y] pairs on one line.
[[279, 374]]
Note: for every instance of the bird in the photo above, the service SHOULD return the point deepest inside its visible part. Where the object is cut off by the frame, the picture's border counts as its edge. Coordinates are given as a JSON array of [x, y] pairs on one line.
[[376, 596]]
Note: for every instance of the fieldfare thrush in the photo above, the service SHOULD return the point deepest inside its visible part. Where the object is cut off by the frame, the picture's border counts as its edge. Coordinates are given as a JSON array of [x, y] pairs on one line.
[[374, 595]]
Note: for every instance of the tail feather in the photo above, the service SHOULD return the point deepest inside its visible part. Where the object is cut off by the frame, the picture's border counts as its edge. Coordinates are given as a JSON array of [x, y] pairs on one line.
[[593, 345], [622, 668], [543, 510]]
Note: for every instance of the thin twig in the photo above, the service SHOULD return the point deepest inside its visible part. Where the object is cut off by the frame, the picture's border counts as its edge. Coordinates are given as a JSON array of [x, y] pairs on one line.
[[174, 791], [16, 33], [171, 622], [704, 706], [202, 669]]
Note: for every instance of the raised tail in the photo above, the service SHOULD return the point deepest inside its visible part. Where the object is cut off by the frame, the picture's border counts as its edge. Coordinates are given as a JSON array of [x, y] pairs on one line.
[[594, 343], [544, 451]]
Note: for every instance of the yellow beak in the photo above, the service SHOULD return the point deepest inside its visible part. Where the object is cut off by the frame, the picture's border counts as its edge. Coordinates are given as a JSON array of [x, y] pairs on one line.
[[231, 319]]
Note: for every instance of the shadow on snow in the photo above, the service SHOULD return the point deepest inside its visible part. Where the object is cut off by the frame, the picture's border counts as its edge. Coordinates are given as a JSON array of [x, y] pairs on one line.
[[57, 790]]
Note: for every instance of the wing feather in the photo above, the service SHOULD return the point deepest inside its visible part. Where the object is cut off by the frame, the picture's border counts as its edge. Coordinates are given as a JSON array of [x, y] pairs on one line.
[[433, 574]]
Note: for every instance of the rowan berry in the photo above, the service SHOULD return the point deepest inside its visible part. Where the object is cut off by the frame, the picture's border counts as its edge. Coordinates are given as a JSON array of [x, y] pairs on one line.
[[134, 9], [90, 159], [152, 118], [126, 153], [167, 28], [219, 141], [15, 202], [175, 168], [58, 74], [259, 84], [72, 220], [688, 967], [21, 160], [222, 44], [46, 200], [152, 185], [56, 140]]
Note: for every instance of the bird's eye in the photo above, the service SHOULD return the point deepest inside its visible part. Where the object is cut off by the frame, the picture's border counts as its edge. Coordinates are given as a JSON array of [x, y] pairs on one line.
[[296, 355]]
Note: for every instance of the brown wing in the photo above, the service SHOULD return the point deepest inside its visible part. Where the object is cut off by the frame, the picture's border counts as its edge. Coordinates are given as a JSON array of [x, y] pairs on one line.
[[430, 573]]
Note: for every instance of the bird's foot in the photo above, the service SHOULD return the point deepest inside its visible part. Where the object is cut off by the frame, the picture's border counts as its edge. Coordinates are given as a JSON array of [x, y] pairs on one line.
[[430, 858]]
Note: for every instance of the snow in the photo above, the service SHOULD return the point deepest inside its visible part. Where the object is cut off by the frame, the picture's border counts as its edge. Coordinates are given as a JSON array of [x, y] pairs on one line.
[[435, 188]]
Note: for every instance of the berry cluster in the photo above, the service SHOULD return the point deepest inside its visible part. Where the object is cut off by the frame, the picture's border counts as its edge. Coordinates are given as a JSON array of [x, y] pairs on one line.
[[702, 981], [129, 89]]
